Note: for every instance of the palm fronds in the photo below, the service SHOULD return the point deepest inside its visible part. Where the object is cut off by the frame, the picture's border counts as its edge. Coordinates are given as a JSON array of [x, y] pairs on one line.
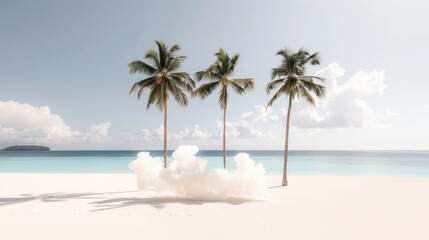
[[290, 76], [164, 79]]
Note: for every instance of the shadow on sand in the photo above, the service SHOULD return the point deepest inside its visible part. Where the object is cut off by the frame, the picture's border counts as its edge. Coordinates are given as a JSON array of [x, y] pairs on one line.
[[104, 202], [55, 197], [158, 202]]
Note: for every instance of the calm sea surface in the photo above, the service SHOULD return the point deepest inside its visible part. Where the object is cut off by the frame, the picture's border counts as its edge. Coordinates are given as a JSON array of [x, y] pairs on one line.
[[387, 163]]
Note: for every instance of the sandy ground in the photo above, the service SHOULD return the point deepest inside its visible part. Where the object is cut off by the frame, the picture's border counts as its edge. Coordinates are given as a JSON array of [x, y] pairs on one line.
[[108, 206]]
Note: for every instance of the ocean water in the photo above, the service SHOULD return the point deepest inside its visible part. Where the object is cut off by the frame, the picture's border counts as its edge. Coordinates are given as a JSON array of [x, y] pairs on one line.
[[385, 163]]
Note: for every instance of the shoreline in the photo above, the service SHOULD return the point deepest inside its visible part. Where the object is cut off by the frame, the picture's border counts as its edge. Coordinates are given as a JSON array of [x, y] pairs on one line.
[[269, 176], [109, 206]]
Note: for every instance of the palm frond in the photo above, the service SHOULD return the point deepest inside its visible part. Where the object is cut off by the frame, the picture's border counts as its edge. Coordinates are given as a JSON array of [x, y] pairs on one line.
[[274, 84], [245, 83], [152, 55], [217, 74], [232, 63], [292, 75], [304, 93], [284, 52], [154, 95], [141, 67], [221, 54], [200, 75], [174, 48], [314, 59], [179, 82], [162, 53], [178, 93], [302, 52], [237, 87], [141, 85], [205, 89], [163, 95], [310, 78], [175, 63], [318, 89], [279, 92], [279, 72], [164, 78], [210, 73], [184, 80], [223, 62]]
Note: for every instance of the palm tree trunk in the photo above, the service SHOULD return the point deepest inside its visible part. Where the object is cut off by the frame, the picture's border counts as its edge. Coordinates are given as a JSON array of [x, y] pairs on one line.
[[224, 130], [284, 181], [165, 134]]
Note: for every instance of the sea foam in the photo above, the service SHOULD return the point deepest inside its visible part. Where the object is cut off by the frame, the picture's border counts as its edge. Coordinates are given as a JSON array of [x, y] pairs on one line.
[[187, 176]]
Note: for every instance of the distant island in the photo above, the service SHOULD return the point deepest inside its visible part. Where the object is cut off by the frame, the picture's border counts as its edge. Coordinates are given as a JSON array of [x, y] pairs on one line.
[[26, 148]]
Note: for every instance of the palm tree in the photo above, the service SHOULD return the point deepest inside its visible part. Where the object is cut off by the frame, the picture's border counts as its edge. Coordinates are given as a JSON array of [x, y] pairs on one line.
[[217, 74], [163, 79], [291, 79]]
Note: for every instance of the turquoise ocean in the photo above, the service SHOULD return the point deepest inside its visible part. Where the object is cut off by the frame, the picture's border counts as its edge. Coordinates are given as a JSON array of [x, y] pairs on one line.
[[379, 163]]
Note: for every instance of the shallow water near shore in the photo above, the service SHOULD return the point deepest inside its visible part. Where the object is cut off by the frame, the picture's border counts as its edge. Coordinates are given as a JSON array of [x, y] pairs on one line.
[[385, 163]]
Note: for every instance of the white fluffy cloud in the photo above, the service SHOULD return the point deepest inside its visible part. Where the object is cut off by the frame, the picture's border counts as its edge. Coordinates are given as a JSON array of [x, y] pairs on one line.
[[196, 133], [188, 176], [244, 127], [345, 105], [260, 114], [25, 123]]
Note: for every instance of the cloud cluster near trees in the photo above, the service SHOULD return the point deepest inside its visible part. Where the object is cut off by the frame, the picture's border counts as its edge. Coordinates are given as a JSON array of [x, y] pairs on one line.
[[345, 106], [244, 127]]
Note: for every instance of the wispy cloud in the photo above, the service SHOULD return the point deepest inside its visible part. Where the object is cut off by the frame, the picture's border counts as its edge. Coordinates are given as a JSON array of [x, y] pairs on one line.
[[158, 134], [195, 133]]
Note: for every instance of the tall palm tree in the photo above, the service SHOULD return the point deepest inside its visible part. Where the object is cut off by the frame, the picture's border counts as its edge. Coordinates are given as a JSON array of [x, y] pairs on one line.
[[290, 79], [217, 75], [162, 80]]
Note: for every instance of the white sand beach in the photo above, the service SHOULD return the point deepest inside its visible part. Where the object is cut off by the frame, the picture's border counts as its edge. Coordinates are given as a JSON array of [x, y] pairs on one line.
[[109, 206]]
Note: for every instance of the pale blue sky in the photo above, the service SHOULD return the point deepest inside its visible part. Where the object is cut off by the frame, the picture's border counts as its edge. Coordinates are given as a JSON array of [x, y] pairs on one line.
[[72, 57]]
